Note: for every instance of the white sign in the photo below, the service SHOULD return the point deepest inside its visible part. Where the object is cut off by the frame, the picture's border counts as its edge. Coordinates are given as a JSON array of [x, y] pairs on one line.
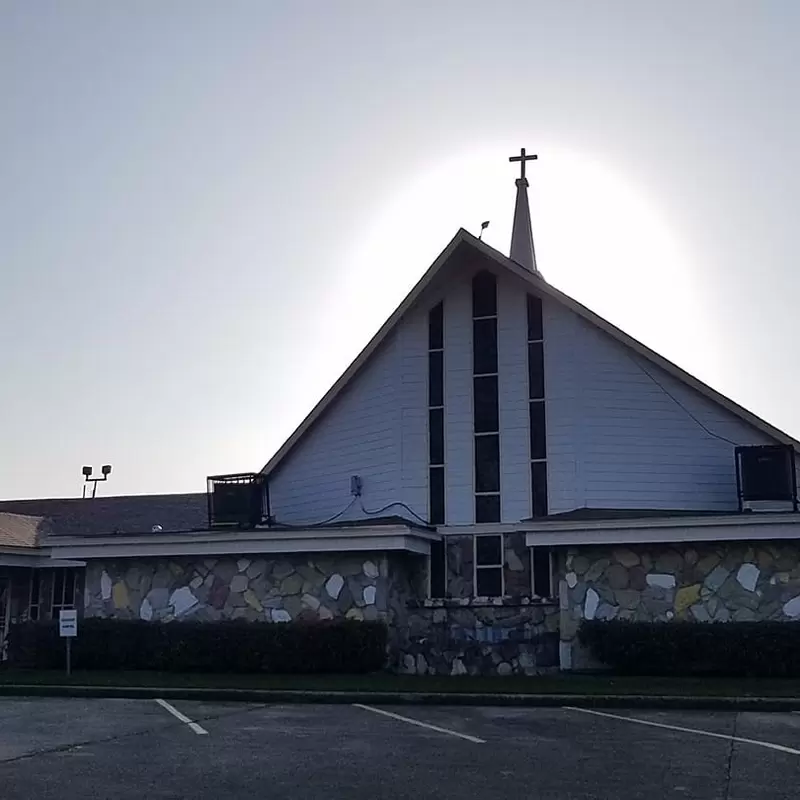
[[68, 623]]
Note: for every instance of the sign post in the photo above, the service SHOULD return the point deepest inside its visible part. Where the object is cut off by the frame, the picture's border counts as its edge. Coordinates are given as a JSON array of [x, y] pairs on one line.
[[68, 629]]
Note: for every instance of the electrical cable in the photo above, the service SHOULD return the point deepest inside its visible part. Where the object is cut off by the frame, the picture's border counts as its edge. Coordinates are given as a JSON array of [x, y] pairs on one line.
[[681, 405], [276, 524], [392, 505]]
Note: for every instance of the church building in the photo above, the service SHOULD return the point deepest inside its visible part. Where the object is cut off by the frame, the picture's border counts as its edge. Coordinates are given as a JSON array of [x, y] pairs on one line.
[[498, 464]]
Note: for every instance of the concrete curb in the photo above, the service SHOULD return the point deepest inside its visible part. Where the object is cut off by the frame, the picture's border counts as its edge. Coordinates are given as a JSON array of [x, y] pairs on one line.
[[411, 698]]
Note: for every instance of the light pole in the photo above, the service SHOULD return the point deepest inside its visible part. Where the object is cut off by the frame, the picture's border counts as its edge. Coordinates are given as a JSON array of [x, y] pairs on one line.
[[87, 478]]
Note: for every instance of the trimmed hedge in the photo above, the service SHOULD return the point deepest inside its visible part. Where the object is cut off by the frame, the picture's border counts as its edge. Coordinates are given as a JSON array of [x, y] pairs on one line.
[[753, 649], [238, 646]]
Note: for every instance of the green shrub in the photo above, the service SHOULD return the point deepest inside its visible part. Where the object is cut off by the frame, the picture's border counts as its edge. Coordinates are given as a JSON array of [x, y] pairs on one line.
[[292, 647], [763, 649]]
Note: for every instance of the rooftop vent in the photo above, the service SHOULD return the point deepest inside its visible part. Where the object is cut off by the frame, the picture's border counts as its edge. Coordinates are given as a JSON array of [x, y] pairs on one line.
[[766, 478], [240, 500]]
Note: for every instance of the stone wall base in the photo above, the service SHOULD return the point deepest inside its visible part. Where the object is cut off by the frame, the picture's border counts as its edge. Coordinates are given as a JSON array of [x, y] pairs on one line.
[[478, 637], [701, 582]]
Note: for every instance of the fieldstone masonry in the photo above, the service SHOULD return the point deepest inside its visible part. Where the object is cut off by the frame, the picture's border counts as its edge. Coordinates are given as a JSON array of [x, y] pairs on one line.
[[475, 636], [275, 590], [711, 582], [463, 634]]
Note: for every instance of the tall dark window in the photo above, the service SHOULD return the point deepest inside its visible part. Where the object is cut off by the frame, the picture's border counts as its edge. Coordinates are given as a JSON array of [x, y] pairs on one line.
[[65, 589], [537, 411], [489, 565], [542, 572], [34, 598], [436, 504], [486, 416]]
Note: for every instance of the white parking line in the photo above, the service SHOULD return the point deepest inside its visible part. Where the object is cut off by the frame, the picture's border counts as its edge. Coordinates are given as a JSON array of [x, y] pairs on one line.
[[198, 729], [769, 745], [421, 724]]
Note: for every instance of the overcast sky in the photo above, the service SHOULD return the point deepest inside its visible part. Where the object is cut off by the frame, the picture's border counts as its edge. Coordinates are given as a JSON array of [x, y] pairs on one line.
[[208, 208]]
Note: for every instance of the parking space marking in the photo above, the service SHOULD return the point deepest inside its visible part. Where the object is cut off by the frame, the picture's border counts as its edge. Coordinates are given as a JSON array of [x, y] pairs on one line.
[[198, 729], [410, 721], [769, 745]]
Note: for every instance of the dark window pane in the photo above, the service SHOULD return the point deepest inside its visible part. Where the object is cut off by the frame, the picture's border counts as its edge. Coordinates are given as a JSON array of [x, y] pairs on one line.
[[487, 463], [35, 586], [538, 430], [534, 318], [436, 435], [484, 295], [436, 499], [437, 569], [539, 489], [69, 587], [542, 579], [536, 371], [487, 508], [489, 550], [435, 380], [436, 328], [489, 582], [484, 346], [486, 413], [58, 586]]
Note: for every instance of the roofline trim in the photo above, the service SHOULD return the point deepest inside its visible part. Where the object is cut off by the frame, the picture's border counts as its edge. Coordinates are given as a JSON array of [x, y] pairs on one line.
[[707, 529], [258, 541], [361, 359], [541, 286]]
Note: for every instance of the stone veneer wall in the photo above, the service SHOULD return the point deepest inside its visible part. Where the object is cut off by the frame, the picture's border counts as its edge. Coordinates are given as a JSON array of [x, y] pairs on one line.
[[703, 582], [463, 634], [274, 590], [480, 636]]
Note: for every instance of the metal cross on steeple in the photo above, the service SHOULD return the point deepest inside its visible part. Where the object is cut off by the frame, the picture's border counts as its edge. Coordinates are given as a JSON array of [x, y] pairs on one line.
[[522, 158], [521, 235]]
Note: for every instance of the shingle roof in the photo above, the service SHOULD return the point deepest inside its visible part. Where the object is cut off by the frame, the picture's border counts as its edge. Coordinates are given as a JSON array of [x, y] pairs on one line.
[[20, 530], [105, 515]]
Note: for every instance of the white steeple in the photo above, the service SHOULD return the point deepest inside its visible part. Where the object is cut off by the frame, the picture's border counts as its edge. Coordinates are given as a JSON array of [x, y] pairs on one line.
[[522, 250]]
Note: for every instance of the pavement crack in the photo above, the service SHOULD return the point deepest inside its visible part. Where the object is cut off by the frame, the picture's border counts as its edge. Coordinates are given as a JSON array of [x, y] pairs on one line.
[[729, 765], [64, 748]]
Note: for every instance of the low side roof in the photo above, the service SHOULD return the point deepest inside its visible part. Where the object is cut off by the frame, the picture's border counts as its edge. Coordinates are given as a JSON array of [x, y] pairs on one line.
[[20, 530], [464, 239], [104, 515]]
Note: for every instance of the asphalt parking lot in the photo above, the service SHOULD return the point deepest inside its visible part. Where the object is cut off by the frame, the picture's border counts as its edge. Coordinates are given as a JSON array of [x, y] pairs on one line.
[[121, 749]]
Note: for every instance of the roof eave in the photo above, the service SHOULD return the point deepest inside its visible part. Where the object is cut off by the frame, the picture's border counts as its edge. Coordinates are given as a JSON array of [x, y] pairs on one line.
[[373, 344]]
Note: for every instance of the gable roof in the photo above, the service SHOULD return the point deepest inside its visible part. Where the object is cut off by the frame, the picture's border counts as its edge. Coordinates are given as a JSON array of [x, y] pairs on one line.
[[465, 240], [74, 516]]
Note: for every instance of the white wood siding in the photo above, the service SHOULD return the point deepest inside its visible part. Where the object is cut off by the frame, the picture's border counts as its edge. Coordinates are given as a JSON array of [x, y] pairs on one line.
[[616, 439], [515, 451], [377, 428], [459, 431]]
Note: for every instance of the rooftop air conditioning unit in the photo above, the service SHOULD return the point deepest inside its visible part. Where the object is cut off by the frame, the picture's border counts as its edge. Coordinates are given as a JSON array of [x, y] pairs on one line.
[[240, 500], [766, 478]]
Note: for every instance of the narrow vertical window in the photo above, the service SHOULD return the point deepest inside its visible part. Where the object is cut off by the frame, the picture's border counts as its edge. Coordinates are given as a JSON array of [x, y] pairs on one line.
[[436, 445], [33, 600], [489, 565], [537, 411], [485, 403], [438, 569], [542, 572]]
